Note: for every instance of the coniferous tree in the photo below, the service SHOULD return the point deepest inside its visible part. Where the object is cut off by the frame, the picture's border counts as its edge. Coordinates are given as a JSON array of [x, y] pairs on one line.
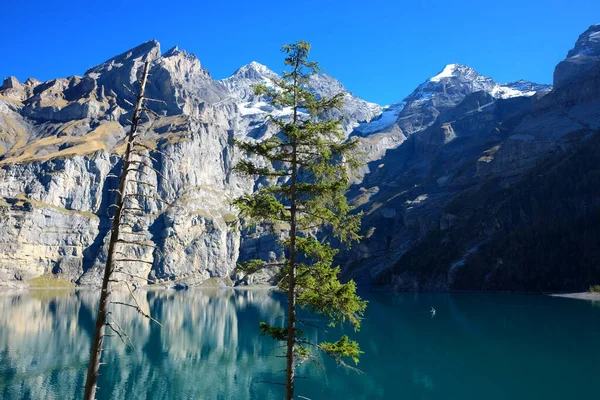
[[310, 160]]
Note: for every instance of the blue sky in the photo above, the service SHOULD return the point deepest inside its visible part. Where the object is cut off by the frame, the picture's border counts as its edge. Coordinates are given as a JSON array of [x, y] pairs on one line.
[[380, 50]]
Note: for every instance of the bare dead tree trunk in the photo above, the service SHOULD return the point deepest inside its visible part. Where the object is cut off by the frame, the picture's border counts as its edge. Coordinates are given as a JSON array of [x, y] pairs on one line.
[[104, 305]]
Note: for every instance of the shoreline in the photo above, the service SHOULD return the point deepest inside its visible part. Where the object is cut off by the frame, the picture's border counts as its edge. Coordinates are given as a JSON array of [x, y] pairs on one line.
[[148, 288], [579, 296], [18, 288]]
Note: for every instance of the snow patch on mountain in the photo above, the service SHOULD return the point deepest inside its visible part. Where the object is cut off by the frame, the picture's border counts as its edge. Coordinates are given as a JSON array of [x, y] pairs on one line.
[[387, 118], [260, 108], [240, 83], [588, 43], [447, 72], [444, 90], [456, 77], [517, 89]]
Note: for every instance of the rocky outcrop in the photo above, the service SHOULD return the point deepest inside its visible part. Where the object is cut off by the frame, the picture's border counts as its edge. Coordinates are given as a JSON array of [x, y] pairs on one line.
[[584, 57]]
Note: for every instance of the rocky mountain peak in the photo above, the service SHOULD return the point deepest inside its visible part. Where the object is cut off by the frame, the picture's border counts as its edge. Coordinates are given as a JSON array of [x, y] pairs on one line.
[[145, 51], [240, 83], [240, 87], [10, 83], [454, 82], [181, 55], [326, 86], [253, 71], [454, 71], [442, 91], [13, 89], [588, 43], [355, 111], [171, 52], [582, 58], [32, 82]]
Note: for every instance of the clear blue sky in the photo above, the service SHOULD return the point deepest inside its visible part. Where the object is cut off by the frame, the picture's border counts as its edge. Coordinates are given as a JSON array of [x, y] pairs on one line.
[[380, 50]]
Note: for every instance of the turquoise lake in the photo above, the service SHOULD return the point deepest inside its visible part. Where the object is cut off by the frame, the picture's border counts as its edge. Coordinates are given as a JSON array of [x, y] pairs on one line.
[[477, 346]]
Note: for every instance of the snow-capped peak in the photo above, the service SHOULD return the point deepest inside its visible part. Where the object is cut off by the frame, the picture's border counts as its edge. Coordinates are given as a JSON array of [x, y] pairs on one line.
[[253, 71], [465, 80], [454, 71], [447, 72], [241, 83]]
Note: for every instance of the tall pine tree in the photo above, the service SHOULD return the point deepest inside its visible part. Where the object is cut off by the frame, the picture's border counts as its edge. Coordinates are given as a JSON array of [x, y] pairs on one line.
[[310, 160]]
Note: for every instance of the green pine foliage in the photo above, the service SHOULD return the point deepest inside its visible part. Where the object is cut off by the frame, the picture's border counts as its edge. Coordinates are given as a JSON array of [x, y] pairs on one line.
[[594, 289], [310, 162]]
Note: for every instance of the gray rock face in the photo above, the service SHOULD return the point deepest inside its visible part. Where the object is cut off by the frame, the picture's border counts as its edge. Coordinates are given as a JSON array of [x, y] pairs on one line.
[[61, 142], [354, 110], [584, 57]]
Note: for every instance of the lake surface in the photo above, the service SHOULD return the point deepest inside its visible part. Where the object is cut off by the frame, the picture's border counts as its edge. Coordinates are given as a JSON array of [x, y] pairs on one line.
[[477, 346]]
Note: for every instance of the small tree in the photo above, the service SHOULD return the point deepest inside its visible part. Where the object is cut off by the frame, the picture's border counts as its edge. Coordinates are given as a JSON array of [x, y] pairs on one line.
[[311, 161]]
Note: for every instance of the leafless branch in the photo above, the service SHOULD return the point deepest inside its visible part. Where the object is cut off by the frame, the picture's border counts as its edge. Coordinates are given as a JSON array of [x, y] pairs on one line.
[[149, 111], [119, 271], [133, 209], [118, 334], [148, 166], [138, 309], [134, 260], [146, 196], [138, 170], [158, 101], [313, 325], [130, 91], [153, 150], [121, 329], [141, 183]]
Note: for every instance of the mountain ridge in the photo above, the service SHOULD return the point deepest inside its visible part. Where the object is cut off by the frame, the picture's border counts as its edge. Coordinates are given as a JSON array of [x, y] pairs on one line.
[[450, 137]]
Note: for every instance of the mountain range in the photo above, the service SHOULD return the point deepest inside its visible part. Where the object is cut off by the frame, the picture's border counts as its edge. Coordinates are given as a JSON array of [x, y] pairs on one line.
[[469, 184]]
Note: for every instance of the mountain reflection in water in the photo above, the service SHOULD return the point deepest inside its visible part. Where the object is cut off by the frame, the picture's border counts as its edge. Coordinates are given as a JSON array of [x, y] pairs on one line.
[[492, 346]]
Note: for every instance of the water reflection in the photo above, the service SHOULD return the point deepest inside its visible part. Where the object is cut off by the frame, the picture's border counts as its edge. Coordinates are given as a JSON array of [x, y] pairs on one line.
[[477, 346], [199, 352]]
